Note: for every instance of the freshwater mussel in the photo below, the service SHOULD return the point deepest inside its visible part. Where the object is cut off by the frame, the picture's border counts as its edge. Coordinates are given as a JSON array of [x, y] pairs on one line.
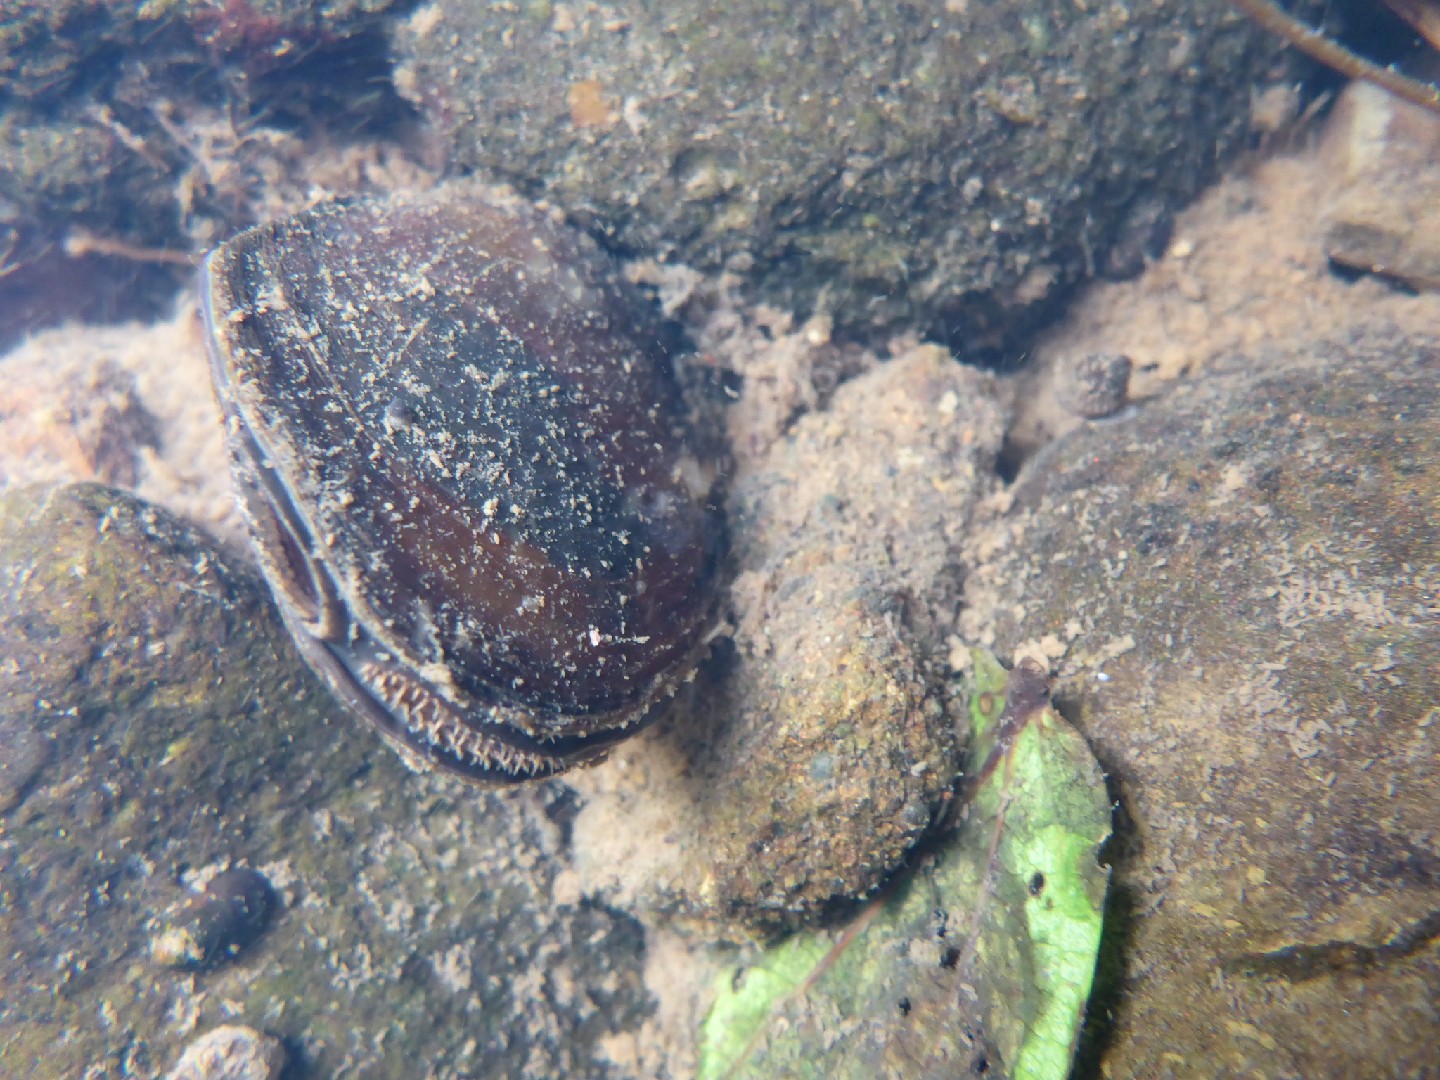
[[467, 471]]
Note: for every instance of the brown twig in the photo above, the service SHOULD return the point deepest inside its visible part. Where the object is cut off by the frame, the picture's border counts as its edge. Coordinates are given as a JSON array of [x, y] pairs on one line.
[[1422, 16], [79, 242], [1319, 47]]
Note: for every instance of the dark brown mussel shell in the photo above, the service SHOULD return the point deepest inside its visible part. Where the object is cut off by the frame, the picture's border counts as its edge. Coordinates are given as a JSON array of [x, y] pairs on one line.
[[468, 475]]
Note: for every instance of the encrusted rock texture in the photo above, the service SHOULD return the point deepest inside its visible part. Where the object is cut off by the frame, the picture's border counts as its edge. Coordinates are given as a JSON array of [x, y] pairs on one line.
[[158, 728], [938, 165], [951, 168], [1238, 588]]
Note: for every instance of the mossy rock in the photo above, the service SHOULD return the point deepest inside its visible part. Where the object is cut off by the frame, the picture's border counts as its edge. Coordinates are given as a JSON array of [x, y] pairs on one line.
[[165, 727], [944, 167]]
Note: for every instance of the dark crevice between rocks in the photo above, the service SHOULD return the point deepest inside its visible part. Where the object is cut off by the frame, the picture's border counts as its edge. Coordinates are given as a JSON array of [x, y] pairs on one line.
[[1011, 460], [346, 87], [343, 89], [1116, 933]]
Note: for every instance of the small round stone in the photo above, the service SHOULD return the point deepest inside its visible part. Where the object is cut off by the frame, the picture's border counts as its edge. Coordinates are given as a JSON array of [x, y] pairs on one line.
[[231, 1052], [215, 922], [1093, 386]]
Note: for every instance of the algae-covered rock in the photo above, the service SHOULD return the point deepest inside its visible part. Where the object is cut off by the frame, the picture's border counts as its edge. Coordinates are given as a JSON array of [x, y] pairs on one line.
[[941, 165], [416, 921], [1239, 587]]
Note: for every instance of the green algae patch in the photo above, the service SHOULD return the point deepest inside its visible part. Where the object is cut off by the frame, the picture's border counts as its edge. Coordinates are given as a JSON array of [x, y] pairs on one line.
[[982, 961]]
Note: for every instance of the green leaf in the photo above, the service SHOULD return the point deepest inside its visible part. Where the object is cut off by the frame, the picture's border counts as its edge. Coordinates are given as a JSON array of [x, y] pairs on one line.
[[745, 1000], [1036, 788], [987, 953]]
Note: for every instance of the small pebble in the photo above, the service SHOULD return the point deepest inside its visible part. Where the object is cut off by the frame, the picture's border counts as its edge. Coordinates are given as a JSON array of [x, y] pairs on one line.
[[216, 922], [232, 1052], [1094, 385]]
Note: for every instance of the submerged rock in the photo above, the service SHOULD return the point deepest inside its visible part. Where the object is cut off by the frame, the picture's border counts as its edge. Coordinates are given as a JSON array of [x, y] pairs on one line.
[[1238, 588], [819, 745], [943, 166], [420, 921], [1384, 157]]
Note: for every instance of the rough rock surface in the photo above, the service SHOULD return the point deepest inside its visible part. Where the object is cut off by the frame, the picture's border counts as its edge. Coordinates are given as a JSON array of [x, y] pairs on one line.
[[1238, 586], [941, 165], [418, 920]]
